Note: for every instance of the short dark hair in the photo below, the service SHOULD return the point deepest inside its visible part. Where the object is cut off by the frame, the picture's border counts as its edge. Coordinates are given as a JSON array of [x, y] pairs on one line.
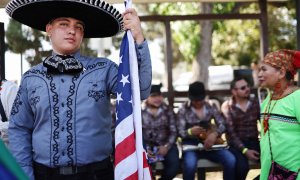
[[289, 76], [233, 82]]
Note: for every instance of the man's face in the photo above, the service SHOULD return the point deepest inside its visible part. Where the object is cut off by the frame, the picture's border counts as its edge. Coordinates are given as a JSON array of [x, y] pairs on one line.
[[155, 100], [197, 104], [66, 35], [242, 89]]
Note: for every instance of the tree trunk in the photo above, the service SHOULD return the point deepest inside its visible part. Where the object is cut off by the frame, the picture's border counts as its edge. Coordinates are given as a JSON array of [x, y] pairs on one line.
[[200, 66]]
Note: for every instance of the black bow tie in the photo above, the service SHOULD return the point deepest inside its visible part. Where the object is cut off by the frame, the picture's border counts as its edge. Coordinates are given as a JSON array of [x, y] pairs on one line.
[[59, 64]]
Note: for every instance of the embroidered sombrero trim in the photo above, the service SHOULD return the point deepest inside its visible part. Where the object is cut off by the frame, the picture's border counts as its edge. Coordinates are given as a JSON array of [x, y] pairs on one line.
[[13, 5], [90, 12]]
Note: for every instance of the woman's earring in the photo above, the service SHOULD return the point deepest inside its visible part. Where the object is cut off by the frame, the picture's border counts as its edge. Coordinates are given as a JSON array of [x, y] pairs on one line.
[[278, 86]]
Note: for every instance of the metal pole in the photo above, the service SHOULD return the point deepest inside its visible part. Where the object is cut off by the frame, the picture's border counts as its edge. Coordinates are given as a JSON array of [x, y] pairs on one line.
[[169, 63], [2, 51]]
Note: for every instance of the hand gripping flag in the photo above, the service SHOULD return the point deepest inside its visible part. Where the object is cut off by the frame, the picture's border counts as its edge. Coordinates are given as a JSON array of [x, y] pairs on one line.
[[130, 156]]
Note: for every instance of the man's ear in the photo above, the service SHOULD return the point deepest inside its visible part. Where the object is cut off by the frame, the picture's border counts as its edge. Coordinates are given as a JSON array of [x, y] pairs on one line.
[[48, 29], [233, 91]]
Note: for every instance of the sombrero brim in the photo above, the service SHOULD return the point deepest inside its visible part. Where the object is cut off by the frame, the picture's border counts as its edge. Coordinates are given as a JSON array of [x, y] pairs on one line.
[[100, 18]]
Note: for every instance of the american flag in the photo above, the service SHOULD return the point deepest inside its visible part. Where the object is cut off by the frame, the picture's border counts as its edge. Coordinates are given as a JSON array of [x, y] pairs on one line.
[[130, 156]]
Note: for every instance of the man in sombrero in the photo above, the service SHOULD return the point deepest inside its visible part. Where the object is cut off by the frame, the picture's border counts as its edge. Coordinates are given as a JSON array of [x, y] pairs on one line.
[[60, 127]]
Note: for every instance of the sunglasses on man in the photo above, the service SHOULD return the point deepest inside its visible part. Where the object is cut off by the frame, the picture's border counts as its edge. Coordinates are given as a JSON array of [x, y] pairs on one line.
[[243, 87]]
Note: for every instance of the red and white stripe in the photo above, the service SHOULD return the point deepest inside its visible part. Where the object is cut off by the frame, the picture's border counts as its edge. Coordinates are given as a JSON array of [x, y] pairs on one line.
[[130, 155]]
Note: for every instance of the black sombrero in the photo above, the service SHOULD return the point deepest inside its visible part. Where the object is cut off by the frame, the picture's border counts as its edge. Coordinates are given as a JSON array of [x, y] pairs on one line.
[[100, 18]]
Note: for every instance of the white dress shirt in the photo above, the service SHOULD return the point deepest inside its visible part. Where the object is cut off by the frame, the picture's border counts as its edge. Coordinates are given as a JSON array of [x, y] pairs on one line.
[[8, 93]]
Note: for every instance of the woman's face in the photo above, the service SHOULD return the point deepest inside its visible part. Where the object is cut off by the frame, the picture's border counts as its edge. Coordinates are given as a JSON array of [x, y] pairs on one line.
[[268, 76]]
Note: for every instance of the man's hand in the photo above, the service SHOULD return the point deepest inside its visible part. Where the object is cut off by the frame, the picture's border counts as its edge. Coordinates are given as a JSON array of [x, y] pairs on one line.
[[150, 154], [197, 130], [252, 154], [132, 22], [162, 150]]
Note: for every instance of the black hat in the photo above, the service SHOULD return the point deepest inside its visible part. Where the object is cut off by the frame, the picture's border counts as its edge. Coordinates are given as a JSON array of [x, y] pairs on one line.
[[155, 89], [197, 91], [100, 18]]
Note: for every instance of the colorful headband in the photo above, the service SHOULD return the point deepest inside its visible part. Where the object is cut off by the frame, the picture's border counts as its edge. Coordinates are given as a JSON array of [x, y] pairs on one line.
[[288, 59]]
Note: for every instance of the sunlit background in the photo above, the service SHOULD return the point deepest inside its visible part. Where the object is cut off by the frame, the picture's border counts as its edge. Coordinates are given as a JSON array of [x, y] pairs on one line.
[[13, 61]]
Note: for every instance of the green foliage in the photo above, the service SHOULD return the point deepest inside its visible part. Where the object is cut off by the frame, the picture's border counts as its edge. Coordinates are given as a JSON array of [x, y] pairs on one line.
[[187, 39], [17, 38], [222, 8], [235, 42], [282, 27], [185, 34], [238, 44], [178, 8]]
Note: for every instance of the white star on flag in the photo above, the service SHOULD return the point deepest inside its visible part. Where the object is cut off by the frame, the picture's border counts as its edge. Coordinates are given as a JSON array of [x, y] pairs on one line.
[[119, 97], [124, 80], [121, 59], [130, 155]]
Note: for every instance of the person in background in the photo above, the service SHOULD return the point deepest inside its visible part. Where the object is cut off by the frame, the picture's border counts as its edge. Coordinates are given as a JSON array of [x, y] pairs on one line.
[[194, 121], [280, 115], [8, 92], [159, 133], [60, 125], [242, 113]]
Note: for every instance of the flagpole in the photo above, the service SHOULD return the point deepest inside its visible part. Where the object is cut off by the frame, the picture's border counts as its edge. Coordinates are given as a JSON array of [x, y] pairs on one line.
[[136, 100], [129, 148]]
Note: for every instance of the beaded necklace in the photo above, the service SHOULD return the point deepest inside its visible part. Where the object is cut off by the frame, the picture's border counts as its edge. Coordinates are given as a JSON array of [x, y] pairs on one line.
[[269, 109], [267, 115]]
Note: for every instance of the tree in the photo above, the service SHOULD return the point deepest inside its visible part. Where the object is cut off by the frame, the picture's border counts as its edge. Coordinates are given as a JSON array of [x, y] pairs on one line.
[[15, 35], [203, 61], [17, 41], [234, 42], [282, 26]]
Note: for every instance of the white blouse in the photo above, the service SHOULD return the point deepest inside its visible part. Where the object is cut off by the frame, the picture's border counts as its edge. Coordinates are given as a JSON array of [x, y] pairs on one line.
[[8, 93]]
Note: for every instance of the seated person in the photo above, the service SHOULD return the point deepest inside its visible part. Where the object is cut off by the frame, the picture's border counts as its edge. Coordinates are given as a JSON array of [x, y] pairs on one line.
[[242, 113], [194, 121], [159, 133]]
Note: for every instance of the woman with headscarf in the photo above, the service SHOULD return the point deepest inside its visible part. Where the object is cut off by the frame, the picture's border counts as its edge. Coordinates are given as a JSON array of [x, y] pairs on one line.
[[280, 116]]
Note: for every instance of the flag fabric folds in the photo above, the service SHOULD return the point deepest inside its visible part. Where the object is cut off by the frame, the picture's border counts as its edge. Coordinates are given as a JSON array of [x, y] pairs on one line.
[[130, 156], [9, 169]]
